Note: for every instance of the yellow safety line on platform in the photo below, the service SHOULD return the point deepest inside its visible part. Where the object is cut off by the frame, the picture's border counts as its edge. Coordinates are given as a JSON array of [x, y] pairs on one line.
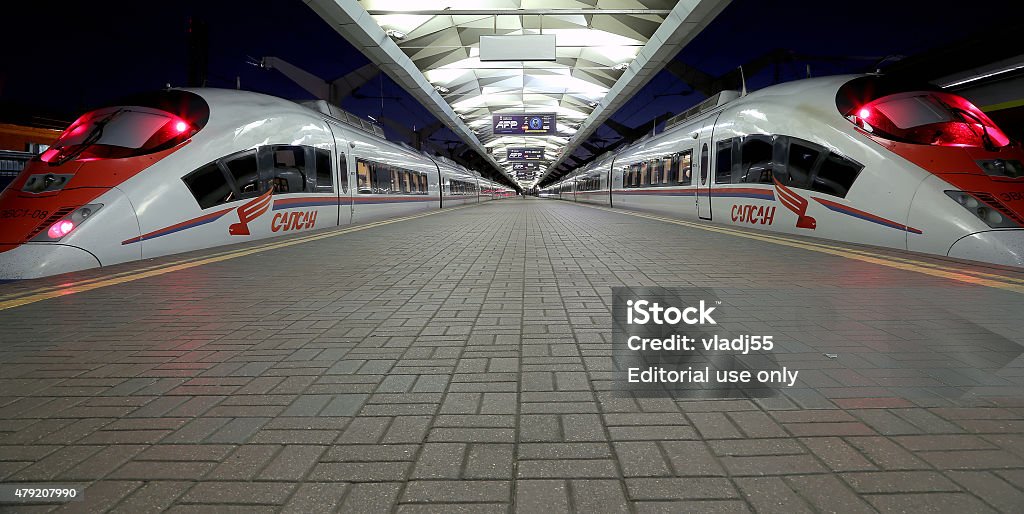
[[967, 276], [47, 293]]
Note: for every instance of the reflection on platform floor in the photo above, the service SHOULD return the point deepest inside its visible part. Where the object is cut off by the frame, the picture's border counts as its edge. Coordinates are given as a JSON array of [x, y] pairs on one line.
[[465, 358]]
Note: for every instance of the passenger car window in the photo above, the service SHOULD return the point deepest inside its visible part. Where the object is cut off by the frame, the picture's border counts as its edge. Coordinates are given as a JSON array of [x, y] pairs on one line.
[[363, 176], [685, 174]]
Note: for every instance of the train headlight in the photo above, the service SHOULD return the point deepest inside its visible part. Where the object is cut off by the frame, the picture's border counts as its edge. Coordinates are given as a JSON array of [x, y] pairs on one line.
[[1010, 168], [55, 230], [45, 183], [986, 208]]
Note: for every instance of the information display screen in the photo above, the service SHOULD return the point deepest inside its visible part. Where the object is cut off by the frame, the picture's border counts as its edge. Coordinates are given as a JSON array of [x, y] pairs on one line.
[[533, 124], [526, 154]]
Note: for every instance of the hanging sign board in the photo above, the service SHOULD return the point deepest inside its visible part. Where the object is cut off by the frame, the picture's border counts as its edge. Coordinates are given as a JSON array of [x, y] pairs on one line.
[[541, 124], [525, 154]]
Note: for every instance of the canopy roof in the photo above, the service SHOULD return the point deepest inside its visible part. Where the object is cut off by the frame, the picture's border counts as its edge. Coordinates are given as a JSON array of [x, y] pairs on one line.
[[604, 50]]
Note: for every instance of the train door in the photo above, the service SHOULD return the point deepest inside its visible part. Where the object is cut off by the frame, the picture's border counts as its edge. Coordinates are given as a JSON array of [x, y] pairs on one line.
[[611, 181], [705, 181], [346, 180], [339, 146], [440, 185]]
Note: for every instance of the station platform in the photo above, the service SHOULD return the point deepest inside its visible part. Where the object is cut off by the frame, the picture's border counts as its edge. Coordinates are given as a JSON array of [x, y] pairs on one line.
[[461, 362]]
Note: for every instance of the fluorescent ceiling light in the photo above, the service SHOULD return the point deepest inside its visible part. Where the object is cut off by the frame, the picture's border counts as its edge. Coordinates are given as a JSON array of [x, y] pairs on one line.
[[984, 76]]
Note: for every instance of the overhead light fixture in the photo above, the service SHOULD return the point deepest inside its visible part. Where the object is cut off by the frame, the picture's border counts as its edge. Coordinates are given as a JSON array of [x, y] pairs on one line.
[[441, 89], [397, 35], [621, 66], [593, 103], [983, 76]]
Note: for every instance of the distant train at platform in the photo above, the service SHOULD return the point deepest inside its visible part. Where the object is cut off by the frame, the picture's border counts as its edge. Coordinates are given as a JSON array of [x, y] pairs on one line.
[[187, 169], [862, 159]]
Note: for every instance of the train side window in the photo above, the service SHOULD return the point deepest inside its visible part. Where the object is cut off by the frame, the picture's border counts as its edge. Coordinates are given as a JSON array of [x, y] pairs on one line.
[[245, 173], [668, 164], [685, 167], [836, 175], [324, 173], [755, 160], [382, 179], [723, 162], [655, 167], [644, 174], [363, 176], [424, 184], [209, 185]]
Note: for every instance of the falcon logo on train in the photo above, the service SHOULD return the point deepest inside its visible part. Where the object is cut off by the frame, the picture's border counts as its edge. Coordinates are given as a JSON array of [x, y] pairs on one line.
[[795, 203], [249, 212]]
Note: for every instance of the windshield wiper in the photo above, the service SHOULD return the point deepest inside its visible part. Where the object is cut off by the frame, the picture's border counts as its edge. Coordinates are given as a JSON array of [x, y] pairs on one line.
[[94, 135], [986, 140]]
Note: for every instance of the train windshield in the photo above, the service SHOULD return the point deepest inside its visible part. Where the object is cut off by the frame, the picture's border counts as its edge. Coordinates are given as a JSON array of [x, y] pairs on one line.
[[140, 126], [918, 116]]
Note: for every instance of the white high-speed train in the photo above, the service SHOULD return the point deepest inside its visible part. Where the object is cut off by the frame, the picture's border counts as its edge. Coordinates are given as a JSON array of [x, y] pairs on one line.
[[185, 169], [852, 158]]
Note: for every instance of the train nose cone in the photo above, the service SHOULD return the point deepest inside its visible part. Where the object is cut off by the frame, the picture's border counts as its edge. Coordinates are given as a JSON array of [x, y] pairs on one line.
[[34, 260], [1004, 247]]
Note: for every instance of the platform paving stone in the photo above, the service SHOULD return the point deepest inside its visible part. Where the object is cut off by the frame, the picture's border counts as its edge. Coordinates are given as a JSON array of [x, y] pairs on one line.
[[461, 362]]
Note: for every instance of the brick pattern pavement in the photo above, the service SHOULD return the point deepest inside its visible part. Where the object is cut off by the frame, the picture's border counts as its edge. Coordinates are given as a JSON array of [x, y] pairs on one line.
[[461, 363]]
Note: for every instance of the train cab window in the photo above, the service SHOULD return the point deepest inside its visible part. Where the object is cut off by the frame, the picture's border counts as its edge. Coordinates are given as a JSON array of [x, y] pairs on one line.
[[288, 169], [245, 173], [755, 160], [836, 175], [324, 173], [723, 162], [209, 185], [800, 159]]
